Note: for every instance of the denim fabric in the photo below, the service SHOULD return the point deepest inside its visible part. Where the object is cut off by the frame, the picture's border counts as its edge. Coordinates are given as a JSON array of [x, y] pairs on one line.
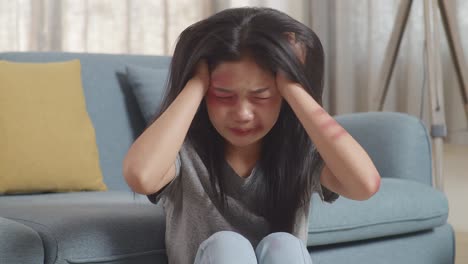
[[230, 247]]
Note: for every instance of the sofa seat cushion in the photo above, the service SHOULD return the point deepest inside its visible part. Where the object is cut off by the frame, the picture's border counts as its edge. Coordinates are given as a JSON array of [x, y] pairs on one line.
[[399, 207], [19, 243], [92, 227], [97, 226]]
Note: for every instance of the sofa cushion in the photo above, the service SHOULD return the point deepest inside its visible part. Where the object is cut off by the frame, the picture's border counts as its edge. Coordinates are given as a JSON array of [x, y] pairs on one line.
[[148, 85], [434, 246], [110, 103], [47, 138], [398, 143], [399, 207], [92, 227], [19, 243]]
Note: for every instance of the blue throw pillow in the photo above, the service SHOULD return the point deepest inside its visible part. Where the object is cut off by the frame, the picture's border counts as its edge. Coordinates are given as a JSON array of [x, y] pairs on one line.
[[148, 86]]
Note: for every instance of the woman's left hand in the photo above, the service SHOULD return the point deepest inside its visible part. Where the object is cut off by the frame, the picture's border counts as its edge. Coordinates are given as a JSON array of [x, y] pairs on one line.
[[283, 83], [298, 46]]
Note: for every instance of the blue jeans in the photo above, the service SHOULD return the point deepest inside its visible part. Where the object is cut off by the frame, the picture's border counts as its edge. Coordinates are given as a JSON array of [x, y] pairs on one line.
[[227, 247]]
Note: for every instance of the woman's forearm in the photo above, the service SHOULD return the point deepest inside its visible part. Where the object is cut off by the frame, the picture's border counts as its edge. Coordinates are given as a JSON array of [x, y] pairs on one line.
[[155, 150], [343, 155]]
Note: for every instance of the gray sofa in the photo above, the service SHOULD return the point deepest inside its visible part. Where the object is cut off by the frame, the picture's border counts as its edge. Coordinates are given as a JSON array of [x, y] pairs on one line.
[[405, 222]]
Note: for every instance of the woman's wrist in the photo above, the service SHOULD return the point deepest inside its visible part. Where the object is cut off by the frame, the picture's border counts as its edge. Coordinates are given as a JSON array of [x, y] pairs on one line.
[[198, 85], [201, 76]]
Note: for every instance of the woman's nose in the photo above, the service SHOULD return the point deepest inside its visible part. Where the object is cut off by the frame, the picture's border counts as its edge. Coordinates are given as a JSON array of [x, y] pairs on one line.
[[243, 112]]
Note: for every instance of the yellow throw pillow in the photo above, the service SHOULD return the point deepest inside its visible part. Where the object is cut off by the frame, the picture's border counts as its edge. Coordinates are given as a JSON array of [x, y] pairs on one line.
[[47, 140]]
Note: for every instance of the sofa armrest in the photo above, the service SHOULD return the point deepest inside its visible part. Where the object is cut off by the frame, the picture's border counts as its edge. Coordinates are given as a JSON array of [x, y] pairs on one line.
[[398, 144], [19, 243]]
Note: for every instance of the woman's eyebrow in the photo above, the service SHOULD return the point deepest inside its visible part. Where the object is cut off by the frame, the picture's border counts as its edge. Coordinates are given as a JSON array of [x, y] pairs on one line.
[[223, 90], [256, 91], [260, 90]]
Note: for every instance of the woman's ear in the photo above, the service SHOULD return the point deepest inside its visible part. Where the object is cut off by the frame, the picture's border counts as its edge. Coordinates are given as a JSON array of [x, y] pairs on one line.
[[298, 46]]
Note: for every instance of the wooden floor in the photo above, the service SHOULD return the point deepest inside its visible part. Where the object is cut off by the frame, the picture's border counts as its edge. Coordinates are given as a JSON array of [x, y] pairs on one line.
[[461, 256], [456, 189]]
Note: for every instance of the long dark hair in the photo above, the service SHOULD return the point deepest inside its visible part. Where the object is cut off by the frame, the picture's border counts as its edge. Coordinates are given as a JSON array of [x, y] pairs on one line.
[[288, 157]]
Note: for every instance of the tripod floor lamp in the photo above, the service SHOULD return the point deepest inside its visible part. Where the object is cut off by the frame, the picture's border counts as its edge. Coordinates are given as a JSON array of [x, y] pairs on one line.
[[438, 127]]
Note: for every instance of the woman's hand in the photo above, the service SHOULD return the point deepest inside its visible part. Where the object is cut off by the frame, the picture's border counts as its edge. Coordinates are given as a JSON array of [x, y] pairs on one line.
[[202, 75], [298, 46], [283, 83]]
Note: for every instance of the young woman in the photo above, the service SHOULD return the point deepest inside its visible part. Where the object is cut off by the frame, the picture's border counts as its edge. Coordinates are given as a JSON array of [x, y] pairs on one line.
[[242, 141]]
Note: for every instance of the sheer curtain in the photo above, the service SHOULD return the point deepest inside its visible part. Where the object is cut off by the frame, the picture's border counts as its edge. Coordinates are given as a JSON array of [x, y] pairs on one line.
[[107, 26], [358, 32], [354, 35]]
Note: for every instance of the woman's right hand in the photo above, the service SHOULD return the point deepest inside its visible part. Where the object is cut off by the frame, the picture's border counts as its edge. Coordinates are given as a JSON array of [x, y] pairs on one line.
[[202, 75]]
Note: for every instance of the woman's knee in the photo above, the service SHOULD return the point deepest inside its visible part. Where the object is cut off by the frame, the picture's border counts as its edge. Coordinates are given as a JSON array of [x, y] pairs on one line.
[[227, 237], [225, 247], [282, 247]]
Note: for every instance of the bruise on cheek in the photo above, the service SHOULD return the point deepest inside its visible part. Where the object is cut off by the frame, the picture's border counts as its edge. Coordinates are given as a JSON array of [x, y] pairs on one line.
[[211, 98]]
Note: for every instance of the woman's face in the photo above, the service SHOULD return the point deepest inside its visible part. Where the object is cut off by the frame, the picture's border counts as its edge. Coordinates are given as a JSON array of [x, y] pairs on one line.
[[243, 102]]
